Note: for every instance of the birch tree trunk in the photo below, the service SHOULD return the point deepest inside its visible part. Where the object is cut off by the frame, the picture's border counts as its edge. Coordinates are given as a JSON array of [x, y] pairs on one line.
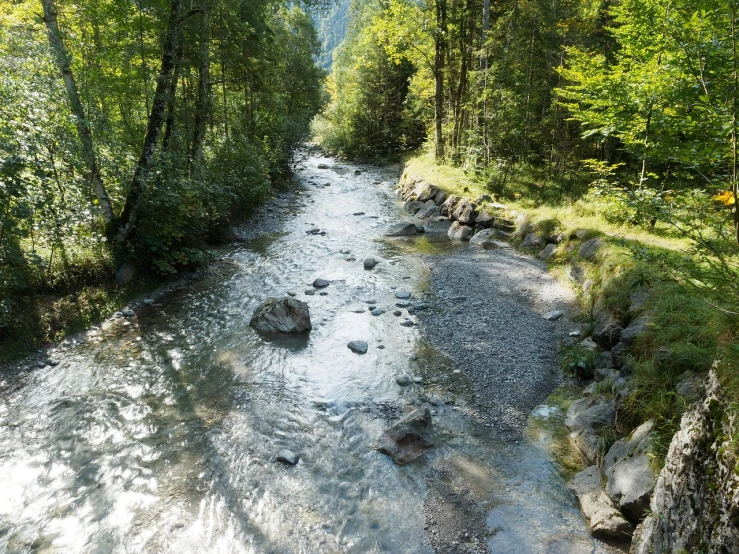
[[78, 110]]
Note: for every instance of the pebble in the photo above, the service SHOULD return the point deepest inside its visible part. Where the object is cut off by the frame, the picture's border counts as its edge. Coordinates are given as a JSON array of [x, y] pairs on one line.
[[40, 364], [291, 293], [402, 295], [310, 292], [288, 457], [378, 311], [417, 380], [407, 323], [402, 304], [397, 313], [358, 213], [350, 259], [323, 293], [321, 283]]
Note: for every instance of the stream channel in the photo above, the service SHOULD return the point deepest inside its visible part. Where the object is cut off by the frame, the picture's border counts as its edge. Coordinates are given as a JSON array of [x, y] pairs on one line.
[[158, 432]]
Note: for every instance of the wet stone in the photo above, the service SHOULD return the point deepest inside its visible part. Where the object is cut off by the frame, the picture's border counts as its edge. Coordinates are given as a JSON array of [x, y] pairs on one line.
[[403, 380], [377, 312], [403, 295], [358, 346], [310, 292], [321, 283], [288, 457], [406, 323], [370, 263]]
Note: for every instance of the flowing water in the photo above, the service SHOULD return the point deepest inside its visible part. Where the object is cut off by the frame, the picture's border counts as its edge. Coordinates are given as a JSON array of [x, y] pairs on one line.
[[158, 432]]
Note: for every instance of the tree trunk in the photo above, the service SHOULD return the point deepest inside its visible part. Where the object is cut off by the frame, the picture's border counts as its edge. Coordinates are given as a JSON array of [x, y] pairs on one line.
[[78, 111], [485, 28], [203, 103], [171, 107], [440, 52], [129, 216]]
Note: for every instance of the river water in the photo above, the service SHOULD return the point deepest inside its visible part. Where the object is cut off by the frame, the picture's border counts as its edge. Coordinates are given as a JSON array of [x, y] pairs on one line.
[[158, 432]]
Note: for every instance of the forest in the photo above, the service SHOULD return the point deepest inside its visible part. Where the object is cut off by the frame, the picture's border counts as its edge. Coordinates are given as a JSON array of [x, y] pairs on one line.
[[544, 99], [133, 134]]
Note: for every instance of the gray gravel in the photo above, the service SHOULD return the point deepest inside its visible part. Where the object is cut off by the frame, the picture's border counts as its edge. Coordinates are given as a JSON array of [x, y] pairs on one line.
[[488, 321]]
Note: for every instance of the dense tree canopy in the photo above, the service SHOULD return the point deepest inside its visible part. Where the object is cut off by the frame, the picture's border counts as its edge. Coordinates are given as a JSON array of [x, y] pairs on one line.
[[137, 130]]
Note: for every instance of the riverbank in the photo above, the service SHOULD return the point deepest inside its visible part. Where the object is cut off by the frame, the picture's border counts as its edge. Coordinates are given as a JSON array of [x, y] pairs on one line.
[[642, 353]]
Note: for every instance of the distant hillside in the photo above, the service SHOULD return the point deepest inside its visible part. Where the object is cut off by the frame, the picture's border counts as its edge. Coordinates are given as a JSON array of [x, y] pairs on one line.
[[331, 28]]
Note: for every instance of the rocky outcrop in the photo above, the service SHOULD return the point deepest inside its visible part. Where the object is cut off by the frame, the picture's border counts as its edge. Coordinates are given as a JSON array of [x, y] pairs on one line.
[[585, 418], [284, 315], [409, 438], [429, 209], [447, 208], [630, 479], [437, 225], [532, 240], [590, 248], [695, 506], [604, 519]]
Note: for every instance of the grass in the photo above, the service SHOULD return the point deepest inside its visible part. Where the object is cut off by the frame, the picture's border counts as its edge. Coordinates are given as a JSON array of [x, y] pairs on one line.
[[686, 333]]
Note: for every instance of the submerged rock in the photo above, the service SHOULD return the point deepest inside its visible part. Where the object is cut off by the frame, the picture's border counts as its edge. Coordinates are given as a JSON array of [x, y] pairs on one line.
[[409, 438], [284, 315], [370, 263]]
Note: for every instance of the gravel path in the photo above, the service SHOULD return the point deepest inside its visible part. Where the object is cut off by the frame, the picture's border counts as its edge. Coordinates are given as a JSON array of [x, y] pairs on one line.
[[488, 321]]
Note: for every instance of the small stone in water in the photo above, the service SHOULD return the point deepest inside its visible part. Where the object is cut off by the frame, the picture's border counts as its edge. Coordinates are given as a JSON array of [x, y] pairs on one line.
[[417, 380], [407, 323], [370, 263], [403, 295], [412, 357], [41, 364], [310, 292], [358, 213], [377, 311], [288, 457], [397, 313], [358, 346], [321, 283], [291, 293], [323, 293], [403, 380]]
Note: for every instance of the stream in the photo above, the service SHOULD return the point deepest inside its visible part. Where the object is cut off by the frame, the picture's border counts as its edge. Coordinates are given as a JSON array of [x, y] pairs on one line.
[[158, 432]]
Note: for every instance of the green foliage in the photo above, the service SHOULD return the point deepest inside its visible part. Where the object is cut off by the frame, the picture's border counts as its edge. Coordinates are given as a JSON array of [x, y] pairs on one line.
[[263, 92], [578, 362]]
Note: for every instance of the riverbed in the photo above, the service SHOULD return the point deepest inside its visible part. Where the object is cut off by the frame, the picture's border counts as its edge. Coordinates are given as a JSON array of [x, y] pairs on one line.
[[158, 432]]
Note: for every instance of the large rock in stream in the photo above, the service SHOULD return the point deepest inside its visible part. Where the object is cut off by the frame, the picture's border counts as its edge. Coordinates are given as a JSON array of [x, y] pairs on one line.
[[409, 438], [283, 315], [604, 520]]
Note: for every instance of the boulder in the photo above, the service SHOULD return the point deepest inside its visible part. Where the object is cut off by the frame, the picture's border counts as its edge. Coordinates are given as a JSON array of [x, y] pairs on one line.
[[485, 219], [358, 346], [621, 357], [629, 476], [447, 208], [409, 438], [321, 283], [412, 206], [323, 166], [585, 418], [429, 209], [459, 232], [426, 192], [465, 212], [691, 387], [635, 329], [493, 244], [402, 230], [482, 236], [531, 241], [590, 248], [637, 301], [483, 198], [604, 519], [547, 252], [284, 315], [437, 225], [440, 198], [607, 330]]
